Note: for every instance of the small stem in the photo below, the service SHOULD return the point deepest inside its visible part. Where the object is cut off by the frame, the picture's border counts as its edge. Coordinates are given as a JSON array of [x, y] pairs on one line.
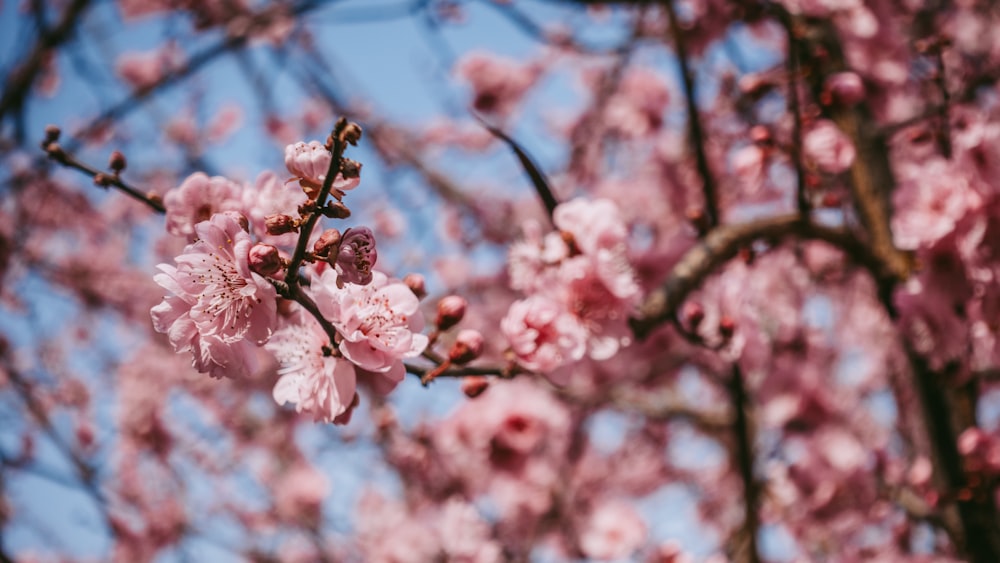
[[695, 130]]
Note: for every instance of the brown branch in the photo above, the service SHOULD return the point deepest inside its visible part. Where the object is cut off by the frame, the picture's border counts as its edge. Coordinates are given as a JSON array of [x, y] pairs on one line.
[[743, 431], [20, 80], [538, 179], [722, 244], [102, 179], [695, 131]]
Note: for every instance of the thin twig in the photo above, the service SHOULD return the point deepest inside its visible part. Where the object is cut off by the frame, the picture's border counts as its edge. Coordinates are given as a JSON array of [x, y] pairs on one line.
[[695, 130]]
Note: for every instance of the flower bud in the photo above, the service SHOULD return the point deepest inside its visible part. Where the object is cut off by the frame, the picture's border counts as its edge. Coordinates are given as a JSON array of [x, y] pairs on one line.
[[727, 326], [416, 284], [356, 256], [845, 88], [451, 309], [467, 347], [351, 133], [280, 224], [693, 313], [117, 162], [51, 135], [474, 386], [264, 259], [336, 210], [328, 242]]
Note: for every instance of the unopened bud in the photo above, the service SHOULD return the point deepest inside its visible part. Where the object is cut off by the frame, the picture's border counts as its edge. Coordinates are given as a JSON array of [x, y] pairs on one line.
[[351, 133], [416, 284], [450, 311], [473, 386], [117, 162], [697, 217], [327, 243], [845, 88], [350, 168], [693, 313], [467, 347], [264, 259], [727, 326], [336, 210], [760, 134], [101, 179], [280, 224], [51, 135]]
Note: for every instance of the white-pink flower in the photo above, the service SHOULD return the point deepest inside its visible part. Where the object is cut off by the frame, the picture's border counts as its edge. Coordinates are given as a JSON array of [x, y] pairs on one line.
[[216, 302], [542, 334], [308, 161], [828, 146], [311, 378], [380, 321], [613, 531], [197, 199], [600, 234]]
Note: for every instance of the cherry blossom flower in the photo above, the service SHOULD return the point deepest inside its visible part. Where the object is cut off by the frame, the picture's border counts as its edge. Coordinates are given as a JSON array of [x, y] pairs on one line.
[[215, 300], [197, 199], [599, 233], [542, 334], [380, 322], [311, 377], [498, 83], [613, 531], [308, 161], [828, 147]]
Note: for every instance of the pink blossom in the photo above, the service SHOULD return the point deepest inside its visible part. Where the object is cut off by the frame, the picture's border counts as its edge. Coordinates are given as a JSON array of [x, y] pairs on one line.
[[600, 233], [465, 536], [308, 161], [542, 334], [311, 378], [932, 197], [299, 494], [498, 83], [637, 109], [380, 322], [215, 301], [144, 69], [613, 531], [828, 146], [197, 199]]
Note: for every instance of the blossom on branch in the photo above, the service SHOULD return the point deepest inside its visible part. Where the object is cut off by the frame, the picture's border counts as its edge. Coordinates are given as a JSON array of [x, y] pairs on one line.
[[380, 321], [197, 199], [216, 305], [312, 378]]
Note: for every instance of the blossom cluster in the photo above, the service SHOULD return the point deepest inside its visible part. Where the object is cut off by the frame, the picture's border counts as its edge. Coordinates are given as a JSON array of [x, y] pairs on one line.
[[222, 304], [580, 288]]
